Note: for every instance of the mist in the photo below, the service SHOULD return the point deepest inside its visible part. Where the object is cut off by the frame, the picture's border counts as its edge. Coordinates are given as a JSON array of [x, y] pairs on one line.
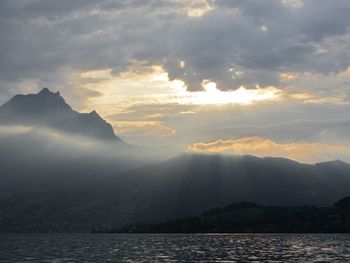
[[37, 154]]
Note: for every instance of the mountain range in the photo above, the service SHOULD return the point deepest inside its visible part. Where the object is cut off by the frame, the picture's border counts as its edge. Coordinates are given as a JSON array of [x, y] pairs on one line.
[[45, 186]]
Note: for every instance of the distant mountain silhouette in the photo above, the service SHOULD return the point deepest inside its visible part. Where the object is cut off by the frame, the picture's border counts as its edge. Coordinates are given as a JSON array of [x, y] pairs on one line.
[[49, 109], [245, 217], [343, 203]]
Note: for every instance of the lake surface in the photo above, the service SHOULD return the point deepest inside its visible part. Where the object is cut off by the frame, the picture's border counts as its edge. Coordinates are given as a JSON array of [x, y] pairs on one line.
[[174, 248]]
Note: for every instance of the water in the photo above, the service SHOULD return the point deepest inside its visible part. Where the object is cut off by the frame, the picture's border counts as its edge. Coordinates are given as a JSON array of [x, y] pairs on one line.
[[174, 248]]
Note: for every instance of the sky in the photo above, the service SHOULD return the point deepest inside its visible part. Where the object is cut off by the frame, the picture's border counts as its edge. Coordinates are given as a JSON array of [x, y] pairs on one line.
[[269, 78]]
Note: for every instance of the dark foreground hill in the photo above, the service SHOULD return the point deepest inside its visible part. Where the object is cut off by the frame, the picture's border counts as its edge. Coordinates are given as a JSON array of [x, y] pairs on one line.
[[248, 217]]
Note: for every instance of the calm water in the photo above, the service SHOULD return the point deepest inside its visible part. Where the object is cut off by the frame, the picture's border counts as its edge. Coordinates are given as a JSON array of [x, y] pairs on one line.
[[174, 248]]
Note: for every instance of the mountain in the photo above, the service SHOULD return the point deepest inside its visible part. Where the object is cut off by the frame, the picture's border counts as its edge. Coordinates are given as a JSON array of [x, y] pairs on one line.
[[49, 109], [192, 183], [86, 194]]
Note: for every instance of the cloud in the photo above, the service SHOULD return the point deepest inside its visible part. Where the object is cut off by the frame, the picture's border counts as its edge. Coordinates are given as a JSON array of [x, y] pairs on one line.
[[38, 144], [224, 42], [259, 146], [290, 116], [48, 140], [299, 47], [145, 132]]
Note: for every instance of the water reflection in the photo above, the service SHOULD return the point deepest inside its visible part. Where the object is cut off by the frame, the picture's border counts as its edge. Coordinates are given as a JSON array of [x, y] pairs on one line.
[[174, 248]]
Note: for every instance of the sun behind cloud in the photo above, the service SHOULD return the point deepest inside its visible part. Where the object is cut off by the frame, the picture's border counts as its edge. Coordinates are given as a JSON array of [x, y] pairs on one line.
[[213, 96]]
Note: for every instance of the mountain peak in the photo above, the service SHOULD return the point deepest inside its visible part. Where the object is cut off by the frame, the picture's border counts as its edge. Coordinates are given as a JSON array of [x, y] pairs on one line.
[[45, 91], [36, 105], [47, 108], [94, 113]]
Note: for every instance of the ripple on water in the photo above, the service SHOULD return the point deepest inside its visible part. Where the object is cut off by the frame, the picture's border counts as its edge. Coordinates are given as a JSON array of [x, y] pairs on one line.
[[174, 248]]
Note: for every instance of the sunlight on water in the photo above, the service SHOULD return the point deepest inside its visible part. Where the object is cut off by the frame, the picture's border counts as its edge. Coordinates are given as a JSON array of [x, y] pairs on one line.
[[174, 248]]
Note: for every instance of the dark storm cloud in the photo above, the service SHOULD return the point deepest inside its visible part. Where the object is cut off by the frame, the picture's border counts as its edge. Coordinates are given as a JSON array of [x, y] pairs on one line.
[[236, 43]]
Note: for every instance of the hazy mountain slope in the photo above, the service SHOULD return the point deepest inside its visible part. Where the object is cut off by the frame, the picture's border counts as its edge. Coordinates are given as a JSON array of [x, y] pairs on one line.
[[80, 194], [56, 185], [50, 109], [190, 184]]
